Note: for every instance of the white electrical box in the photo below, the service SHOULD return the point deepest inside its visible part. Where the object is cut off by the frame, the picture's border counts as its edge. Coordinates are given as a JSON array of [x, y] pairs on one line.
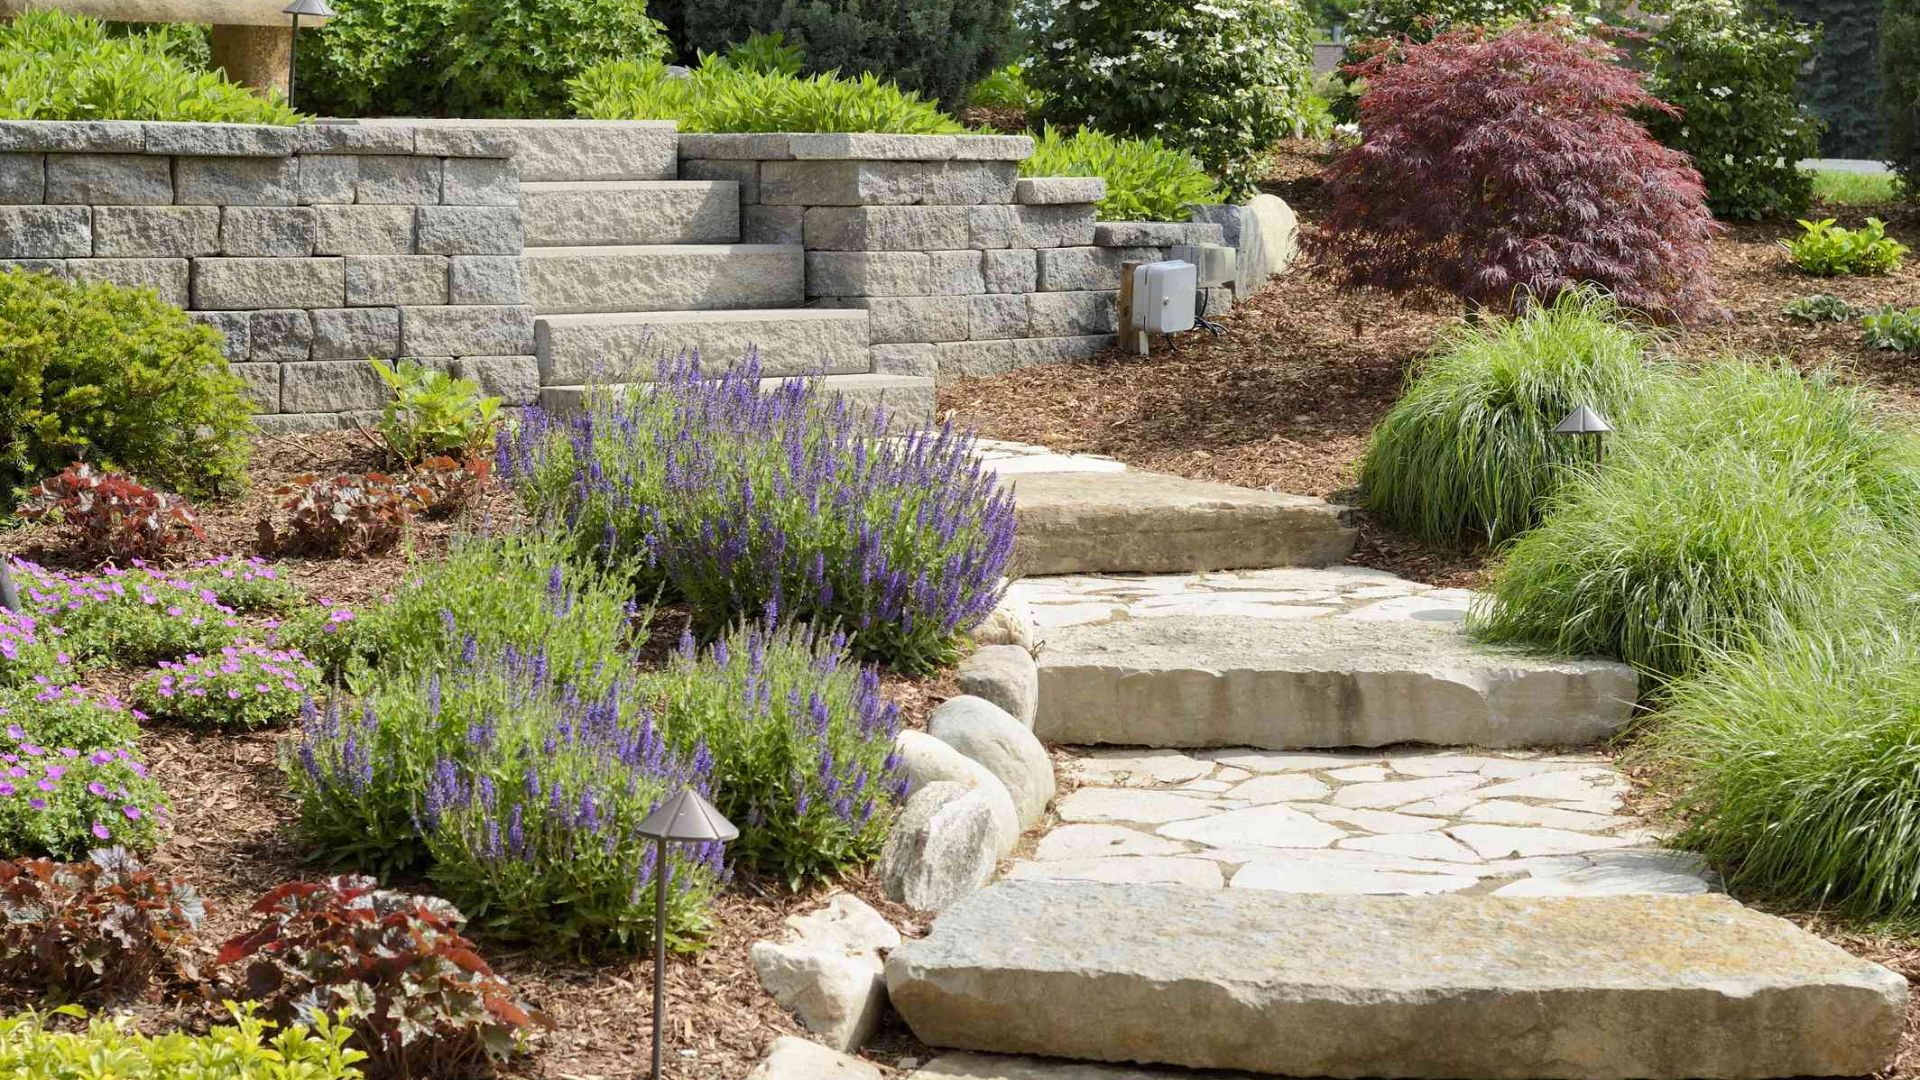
[[1163, 297]]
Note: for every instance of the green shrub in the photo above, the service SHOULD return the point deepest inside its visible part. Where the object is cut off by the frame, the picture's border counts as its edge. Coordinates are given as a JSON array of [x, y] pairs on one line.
[[1469, 452], [65, 716], [718, 97], [432, 412], [770, 54], [1222, 81], [1900, 83], [471, 58], [1825, 249], [1843, 86], [1819, 308], [119, 378], [1005, 88], [1738, 509], [933, 48], [55, 66], [248, 585], [132, 618], [1423, 20], [1893, 329], [1145, 180], [249, 1049], [1732, 68]]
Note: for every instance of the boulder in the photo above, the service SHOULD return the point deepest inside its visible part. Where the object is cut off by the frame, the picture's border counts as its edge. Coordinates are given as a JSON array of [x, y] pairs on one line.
[[829, 971], [941, 848], [797, 1059], [928, 760], [1009, 623], [1264, 233], [1005, 675], [985, 732]]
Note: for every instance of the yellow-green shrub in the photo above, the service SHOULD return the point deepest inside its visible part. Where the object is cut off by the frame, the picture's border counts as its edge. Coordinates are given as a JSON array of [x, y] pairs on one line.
[[249, 1049]]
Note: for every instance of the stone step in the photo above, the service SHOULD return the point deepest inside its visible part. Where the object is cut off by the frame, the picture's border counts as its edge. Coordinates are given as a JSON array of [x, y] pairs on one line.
[[664, 277], [792, 341], [1082, 521], [908, 398], [1464, 987], [575, 213]]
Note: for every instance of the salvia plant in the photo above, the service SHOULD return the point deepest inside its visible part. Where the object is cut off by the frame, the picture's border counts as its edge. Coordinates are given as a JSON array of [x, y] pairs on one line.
[[51, 714], [64, 802], [739, 501], [240, 688]]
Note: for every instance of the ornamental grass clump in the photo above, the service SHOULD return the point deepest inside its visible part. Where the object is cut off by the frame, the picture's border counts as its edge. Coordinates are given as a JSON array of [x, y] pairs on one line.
[[741, 501], [1752, 500], [1470, 452]]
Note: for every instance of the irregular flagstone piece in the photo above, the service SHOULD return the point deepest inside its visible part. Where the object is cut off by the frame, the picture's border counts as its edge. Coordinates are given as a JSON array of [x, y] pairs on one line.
[[1394, 793], [1143, 870], [1231, 773], [1124, 804], [1345, 880], [1140, 768], [1513, 768], [829, 970], [1435, 764], [1384, 822], [1427, 845], [1500, 841], [1211, 787], [1100, 841], [1616, 873], [1259, 826], [1361, 774], [1254, 761], [1311, 860], [1284, 787], [797, 1059], [998, 1067], [1439, 606], [1501, 812], [1590, 784], [1582, 988], [1444, 806]]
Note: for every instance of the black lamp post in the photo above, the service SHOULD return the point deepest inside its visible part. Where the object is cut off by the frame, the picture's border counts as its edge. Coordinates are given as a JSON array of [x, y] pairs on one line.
[[685, 819], [9, 592], [1584, 421], [296, 9]]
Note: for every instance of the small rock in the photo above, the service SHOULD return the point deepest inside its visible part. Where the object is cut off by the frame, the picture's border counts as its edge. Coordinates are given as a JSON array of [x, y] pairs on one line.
[[830, 970], [1009, 623], [797, 1059], [1005, 675], [984, 732], [928, 760], [942, 847]]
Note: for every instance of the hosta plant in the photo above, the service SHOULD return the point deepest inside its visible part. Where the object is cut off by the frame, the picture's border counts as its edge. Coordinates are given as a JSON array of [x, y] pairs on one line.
[[1146, 180], [1893, 329], [1819, 308], [99, 929], [433, 413], [110, 516], [363, 514], [1826, 249], [240, 688]]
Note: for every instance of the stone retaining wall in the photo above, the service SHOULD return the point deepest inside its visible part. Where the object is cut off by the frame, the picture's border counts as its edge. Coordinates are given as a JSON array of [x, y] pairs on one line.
[[309, 248]]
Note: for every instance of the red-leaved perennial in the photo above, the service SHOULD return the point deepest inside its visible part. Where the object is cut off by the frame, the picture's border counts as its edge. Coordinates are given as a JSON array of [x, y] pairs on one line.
[[1496, 166]]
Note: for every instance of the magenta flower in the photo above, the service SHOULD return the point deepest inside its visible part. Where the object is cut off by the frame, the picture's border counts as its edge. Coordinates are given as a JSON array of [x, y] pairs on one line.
[[132, 812], [102, 831]]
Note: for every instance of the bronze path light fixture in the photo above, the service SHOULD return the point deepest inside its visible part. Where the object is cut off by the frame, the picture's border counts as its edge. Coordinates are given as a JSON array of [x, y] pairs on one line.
[[684, 819], [296, 9], [1583, 421]]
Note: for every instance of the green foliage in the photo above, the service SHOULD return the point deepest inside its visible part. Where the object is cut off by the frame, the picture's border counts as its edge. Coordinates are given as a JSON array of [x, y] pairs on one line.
[[1825, 249], [240, 688], [769, 54], [248, 1049], [1900, 77], [1819, 308], [1893, 329], [64, 716], [118, 378], [1222, 81], [1005, 88], [720, 97], [247, 585], [1843, 87], [53, 803], [1731, 67], [1469, 452], [1751, 498], [55, 66], [1146, 181], [1837, 187], [471, 58], [1423, 20], [98, 929], [139, 618], [933, 48], [432, 412]]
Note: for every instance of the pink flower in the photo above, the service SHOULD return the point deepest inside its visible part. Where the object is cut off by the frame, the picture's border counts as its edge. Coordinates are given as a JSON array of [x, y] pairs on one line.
[[37, 804], [132, 812], [102, 831], [235, 694], [97, 789], [6, 788]]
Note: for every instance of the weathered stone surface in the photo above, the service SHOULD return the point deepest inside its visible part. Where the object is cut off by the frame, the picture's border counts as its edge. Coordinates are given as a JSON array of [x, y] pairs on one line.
[[396, 280], [907, 319], [236, 342], [1072, 269], [109, 179], [469, 230], [997, 317], [1142, 522], [356, 333], [1051, 226], [545, 150], [480, 182], [149, 232], [772, 224], [904, 358], [330, 386], [1577, 988], [1156, 233], [862, 183], [307, 423], [633, 212], [46, 232], [941, 848], [999, 1067], [793, 1058], [1048, 190], [1265, 234], [701, 147], [579, 348], [281, 336], [238, 284], [327, 179], [263, 385], [927, 760], [486, 279], [487, 330], [363, 230], [1109, 805], [746, 174], [1618, 873], [166, 277], [667, 277], [864, 273], [1065, 314], [1004, 675], [885, 228], [873, 146], [1004, 745], [1011, 270], [1141, 768], [1127, 870], [981, 358], [515, 380], [235, 181], [266, 231], [349, 138], [398, 180], [23, 179], [955, 273], [1009, 623], [830, 970], [201, 139], [96, 136]]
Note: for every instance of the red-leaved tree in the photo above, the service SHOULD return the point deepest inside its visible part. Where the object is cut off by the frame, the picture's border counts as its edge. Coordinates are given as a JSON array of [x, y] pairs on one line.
[[1493, 166]]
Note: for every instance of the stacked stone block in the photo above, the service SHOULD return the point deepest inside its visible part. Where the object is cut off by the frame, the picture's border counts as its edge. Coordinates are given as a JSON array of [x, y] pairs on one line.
[[310, 249]]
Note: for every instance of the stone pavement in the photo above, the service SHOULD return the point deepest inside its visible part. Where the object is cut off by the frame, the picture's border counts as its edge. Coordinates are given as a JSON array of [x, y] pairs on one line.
[[1289, 593]]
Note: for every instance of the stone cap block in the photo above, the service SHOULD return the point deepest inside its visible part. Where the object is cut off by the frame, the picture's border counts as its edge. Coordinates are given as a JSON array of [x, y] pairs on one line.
[[741, 146], [1049, 190], [884, 147], [1156, 233], [353, 137], [74, 136], [218, 140]]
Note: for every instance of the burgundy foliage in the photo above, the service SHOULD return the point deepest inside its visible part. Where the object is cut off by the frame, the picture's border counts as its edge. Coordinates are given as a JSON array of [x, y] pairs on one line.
[[110, 516], [1494, 166], [96, 930], [344, 514]]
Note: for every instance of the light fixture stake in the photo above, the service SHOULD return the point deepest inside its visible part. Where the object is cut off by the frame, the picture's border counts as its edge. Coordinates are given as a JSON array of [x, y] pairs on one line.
[[1583, 421], [296, 9], [688, 819]]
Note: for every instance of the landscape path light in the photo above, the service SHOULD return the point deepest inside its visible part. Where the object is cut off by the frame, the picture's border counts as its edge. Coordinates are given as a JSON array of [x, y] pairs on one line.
[[9, 592], [317, 8], [684, 819], [1583, 421]]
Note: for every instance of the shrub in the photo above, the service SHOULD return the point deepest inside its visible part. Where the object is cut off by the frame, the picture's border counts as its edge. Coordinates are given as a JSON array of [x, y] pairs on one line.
[[1222, 81], [723, 98], [118, 378], [131, 617], [1900, 82], [1498, 167], [55, 66], [394, 967], [471, 58], [1828, 250], [1742, 506], [69, 716], [933, 48], [62, 802], [1145, 180], [1005, 88], [238, 689], [362, 513], [1423, 20], [98, 929], [1844, 85], [1470, 451], [432, 412], [1819, 308], [109, 516], [769, 53], [1893, 329], [802, 747], [740, 501], [1732, 68], [241, 1051]]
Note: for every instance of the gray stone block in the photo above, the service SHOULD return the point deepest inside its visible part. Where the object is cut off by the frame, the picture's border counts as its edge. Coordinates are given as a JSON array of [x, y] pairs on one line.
[[254, 284], [910, 319], [486, 279], [1052, 190], [917, 360], [327, 178], [82, 136], [167, 277], [469, 230], [454, 140], [968, 183], [1156, 233], [864, 146], [283, 335], [480, 182], [331, 386], [393, 179], [515, 380], [263, 385], [46, 232], [236, 181], [772, 224], [275, 424], [1052, 226], [979, 358], [1011, 270], [546, 150], [266, 231], [363, 230], [347, 139], [885, 228], [744, 173], [236, 342], [1073, 314], [868, 273], [155, 231], [109, 180], [955, 273], [843, 183], [396, 280], [991, 227], [1001, 315], [734, 146], [466, 331], [1071, 269], [356, 333], [200, 139], [55, 267], [23, 179]]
